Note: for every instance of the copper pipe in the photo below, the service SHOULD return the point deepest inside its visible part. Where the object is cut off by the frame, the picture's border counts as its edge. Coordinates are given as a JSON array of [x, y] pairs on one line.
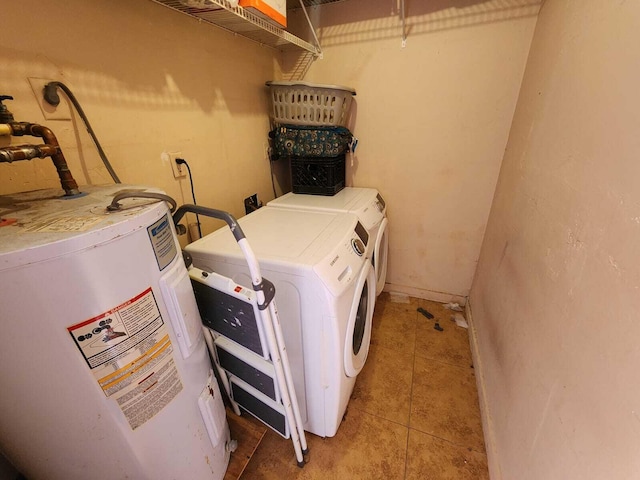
[[52, 148], [26, 152]]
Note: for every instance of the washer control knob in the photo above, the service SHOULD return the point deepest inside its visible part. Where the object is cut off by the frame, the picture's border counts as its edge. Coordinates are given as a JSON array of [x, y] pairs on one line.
[[358, 246]]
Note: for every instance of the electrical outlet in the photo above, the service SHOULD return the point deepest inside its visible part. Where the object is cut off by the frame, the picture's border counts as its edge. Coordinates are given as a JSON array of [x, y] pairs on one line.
[[182, 172], [59, 112], [251, 204], [179, 171]]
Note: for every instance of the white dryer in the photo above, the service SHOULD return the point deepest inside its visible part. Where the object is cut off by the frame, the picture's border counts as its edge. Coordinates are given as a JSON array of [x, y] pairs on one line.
[[366, 203], [325, 293]]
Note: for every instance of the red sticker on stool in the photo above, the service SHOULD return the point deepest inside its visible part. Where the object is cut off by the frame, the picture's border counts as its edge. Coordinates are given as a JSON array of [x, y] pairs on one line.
[[5, 222]]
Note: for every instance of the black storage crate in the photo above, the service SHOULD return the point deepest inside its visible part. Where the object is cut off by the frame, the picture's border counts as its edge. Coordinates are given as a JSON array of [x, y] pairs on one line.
[[318, 176]]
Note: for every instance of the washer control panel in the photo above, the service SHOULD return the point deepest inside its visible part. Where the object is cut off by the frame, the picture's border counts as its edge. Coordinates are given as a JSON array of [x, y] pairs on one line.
[[342, 266], [373, 212]]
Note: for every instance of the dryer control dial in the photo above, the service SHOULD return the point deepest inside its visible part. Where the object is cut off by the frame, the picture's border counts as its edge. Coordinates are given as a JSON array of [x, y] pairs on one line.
[[358, 246]]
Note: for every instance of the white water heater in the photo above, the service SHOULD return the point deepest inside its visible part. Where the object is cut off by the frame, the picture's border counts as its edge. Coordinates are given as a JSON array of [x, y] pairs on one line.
[[103, 365]]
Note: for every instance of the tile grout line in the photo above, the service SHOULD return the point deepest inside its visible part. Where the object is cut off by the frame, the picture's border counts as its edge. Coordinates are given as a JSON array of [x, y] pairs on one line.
[[463, 367], [413, 372], [376, 415], [449, 441], [408, 426]]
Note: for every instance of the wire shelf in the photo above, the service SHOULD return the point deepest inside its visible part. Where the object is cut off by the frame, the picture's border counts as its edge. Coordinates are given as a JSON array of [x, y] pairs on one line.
[[239, 21]]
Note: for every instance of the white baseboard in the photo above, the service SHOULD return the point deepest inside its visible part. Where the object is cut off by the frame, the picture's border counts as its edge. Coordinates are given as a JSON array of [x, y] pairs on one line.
[[426, 294], [487, 423]]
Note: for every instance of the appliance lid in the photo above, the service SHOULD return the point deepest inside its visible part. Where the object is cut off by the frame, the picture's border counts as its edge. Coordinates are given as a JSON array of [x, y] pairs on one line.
[[41, 224], [347, 199], [271, 232], [282, 235]]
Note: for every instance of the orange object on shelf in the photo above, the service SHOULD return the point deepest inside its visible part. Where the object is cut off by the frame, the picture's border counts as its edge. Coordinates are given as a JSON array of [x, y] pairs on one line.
[[270, 10]]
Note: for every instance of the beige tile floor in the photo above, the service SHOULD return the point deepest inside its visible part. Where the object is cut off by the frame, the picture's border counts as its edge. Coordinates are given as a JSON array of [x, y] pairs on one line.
[[413, 414]]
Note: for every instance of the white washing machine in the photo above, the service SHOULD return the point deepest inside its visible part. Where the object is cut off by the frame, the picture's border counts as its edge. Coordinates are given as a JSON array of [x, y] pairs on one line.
[[366, 203], [325, 293]]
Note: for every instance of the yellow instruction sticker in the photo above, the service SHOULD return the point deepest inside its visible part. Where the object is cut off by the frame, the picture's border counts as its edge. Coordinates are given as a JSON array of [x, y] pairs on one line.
[[130, 354]]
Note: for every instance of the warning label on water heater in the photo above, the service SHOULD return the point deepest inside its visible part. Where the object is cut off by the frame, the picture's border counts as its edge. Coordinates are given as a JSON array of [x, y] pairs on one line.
[[131, 356]]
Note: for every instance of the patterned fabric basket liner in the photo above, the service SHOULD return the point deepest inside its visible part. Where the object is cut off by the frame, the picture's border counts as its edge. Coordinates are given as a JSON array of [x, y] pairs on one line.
[[300, 141]]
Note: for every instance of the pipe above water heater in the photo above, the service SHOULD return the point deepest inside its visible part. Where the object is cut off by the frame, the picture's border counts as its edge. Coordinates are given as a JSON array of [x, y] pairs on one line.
[[50, 149], [26, 152]]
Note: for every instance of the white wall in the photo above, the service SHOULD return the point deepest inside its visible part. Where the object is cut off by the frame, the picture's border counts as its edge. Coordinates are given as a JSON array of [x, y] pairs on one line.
[[150, 80], [556, 299], [432, 118]]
